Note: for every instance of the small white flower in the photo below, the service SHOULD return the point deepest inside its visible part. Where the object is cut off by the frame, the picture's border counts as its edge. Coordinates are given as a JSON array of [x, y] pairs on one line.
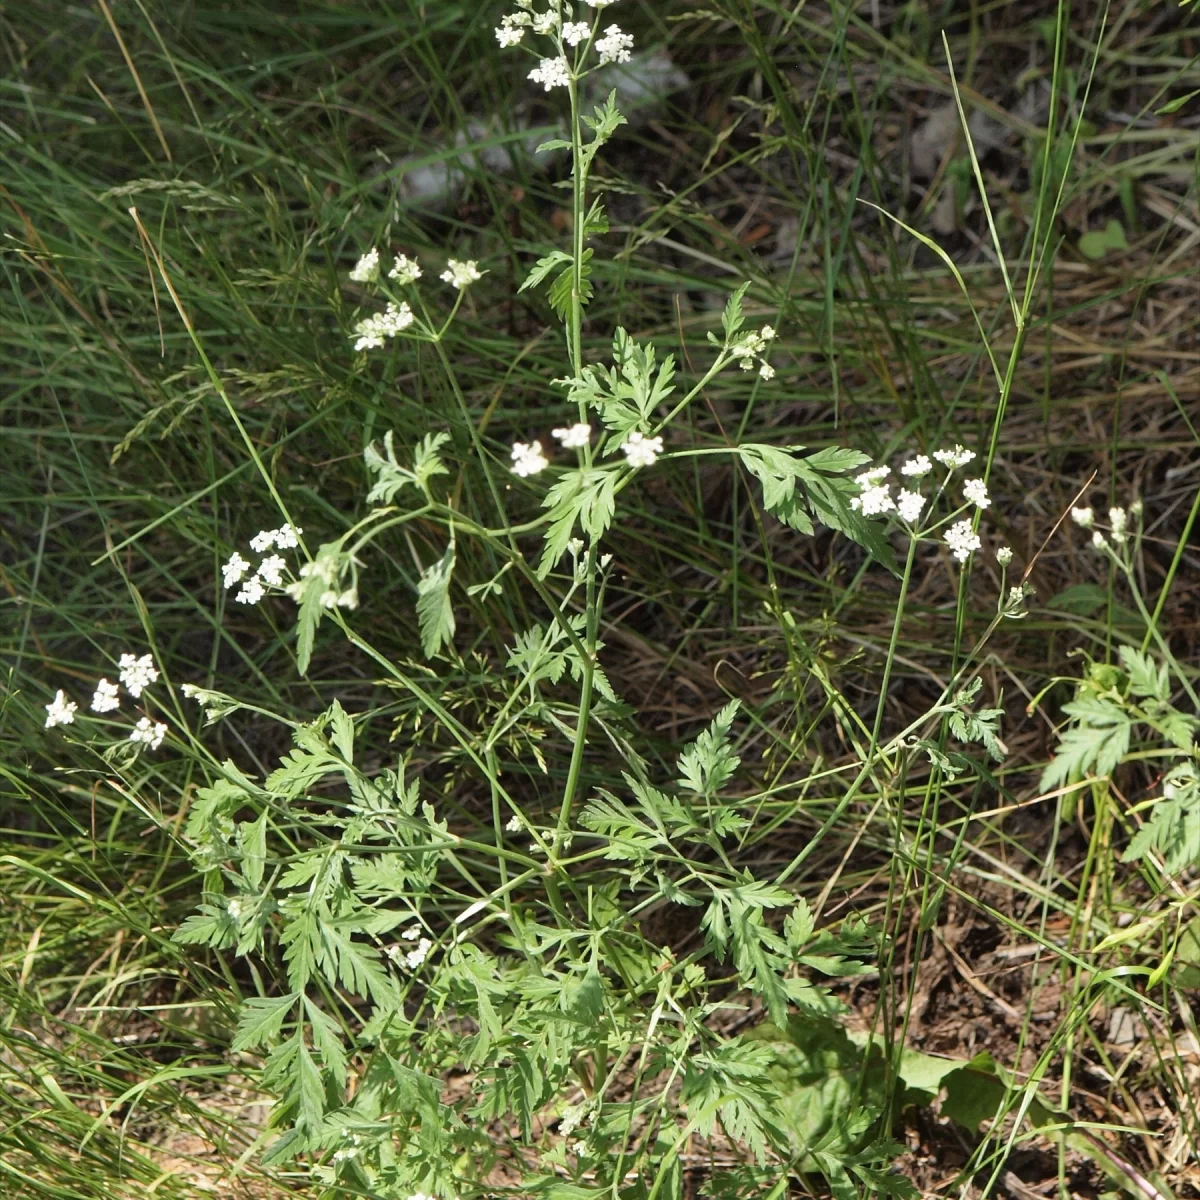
[[958, 457], [149, 733], [461, 274], [1118, 518], [767, 333], [574, 32], [417, 955], [917, 467], [136, 673], [573, 437], [234, 570], [329, 599], [287, 537], [60, 710], [599, 3], [270, 570], [749, 345], [875, 501], [1004, 555], [872, 478], [962, 540], [910, 506], [234, 908], [367, 335], [641, 451], [252, 591], [552, 73], [366, 270], [528, 459], [514, 824], [766, 371], [264, 539], [1085, 518], [348, 598], [107, 697], [1099, 540], [405, 270], [413, 958], [976, 492], [509, 35], [397, 317], [1016, 597], [614, 46]]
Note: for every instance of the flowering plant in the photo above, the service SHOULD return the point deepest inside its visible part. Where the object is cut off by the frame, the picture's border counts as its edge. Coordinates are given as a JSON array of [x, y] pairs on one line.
[[405, 944]]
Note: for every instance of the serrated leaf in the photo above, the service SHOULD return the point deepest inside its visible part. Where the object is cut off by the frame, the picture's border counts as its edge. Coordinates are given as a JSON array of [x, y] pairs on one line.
[[1147, 679], [435, 612], [327, 1038], [341, 731], [732, 319], [553, 144], [252, 842], [1094, 743], [260, 1018], [708, 763], [543, 267], [210, 926]]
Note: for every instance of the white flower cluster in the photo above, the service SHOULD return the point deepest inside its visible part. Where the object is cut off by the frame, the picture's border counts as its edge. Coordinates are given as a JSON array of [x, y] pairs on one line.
[[552, 71], [366, 270], [641, 451], [371, 332], [136, 673], [148, 733], [461, 274], [751, 348], [962, 540], [1118, 523], [573, 437], [269, 572], [614, 46], [528, 459], [875, 497], [413, 958], [405, 270]]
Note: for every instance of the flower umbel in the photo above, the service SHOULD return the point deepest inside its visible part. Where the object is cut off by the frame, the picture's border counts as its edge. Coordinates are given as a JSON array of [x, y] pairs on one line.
[[366, 270], [405, 270], [958, 457], [641, 451], [573, 437], [236, 568], [528, 459], [60, 710], [552, 73], [106, 698], [915, 468], [148, 733], [910, 506], [962, 540], [614, 46], [461, 274], [137, 673], [976, 492]]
